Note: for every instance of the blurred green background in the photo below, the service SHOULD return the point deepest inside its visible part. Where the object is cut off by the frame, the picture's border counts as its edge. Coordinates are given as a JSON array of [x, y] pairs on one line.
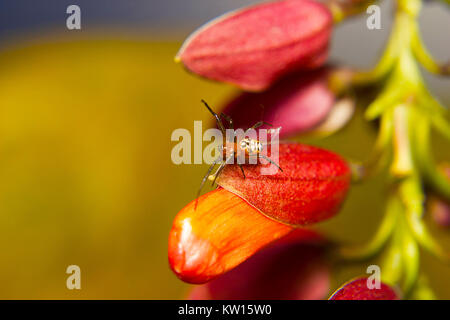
[[85, 171]]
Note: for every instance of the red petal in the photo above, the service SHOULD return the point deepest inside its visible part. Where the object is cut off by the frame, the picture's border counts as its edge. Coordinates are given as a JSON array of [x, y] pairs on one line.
[[220, 234], [297, 103], [254, 46], [286, 269], [311, 188], [358, 290]]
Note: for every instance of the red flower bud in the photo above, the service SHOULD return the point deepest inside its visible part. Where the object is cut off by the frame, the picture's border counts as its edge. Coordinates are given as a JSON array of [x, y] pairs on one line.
[[254, 46], [311, 187], [225, 229], [359, 290], [292, 267]]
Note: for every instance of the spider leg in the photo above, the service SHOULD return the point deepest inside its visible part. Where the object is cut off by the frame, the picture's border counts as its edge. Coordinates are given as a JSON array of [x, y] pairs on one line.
[[230, 123], [255, 126], [268, 159], [219, 122], [204, 179], [242, 169], [228, 119], [222, 165], [262, 115], [259, 124]]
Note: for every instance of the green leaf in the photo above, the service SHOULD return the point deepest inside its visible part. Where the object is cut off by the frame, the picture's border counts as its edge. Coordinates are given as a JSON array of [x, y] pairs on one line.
[[425, 239], [423, 56], [413, 198], [392, 262], [422, 290], [422, 153], [389, 98], [410, 256], [441, 125], [380, 238], [382, 149], [429, 104]]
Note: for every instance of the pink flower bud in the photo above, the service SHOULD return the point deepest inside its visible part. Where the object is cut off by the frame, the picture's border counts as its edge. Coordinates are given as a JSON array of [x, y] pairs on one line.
[[254, 46], [297, 103]]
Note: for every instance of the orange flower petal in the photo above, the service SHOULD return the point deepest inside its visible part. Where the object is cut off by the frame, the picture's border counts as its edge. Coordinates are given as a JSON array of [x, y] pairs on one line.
[[221, 233]]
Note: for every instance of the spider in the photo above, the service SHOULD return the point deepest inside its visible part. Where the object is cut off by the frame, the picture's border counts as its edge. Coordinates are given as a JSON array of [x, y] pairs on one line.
[[229, 150]]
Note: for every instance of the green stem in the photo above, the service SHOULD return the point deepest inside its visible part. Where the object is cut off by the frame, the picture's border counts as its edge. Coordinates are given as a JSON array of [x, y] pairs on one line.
[[407, 111], [392, 262], [436, 179], [422, 290], [425, 58], [378, 241], [380, 155], [402, 164]]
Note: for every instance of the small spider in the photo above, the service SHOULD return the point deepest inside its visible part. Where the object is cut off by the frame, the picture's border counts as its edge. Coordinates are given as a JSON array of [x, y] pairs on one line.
[[229, 150]]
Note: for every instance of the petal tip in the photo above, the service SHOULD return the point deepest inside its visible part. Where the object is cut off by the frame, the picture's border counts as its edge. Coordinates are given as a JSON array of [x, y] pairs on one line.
[[188, 253], [221, 233]]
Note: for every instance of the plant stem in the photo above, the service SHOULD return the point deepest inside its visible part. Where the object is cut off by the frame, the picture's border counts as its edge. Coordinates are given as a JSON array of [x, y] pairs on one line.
[[407, 110]]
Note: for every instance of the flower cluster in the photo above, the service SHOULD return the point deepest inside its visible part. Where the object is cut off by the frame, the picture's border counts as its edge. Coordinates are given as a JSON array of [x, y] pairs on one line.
[[249, 238]]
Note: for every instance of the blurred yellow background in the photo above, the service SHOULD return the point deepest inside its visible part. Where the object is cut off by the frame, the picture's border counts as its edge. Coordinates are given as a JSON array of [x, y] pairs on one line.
[[86, 176]]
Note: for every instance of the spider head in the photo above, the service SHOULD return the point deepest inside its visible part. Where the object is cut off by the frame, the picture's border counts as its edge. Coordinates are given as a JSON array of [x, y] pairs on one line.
[[251, 145]]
